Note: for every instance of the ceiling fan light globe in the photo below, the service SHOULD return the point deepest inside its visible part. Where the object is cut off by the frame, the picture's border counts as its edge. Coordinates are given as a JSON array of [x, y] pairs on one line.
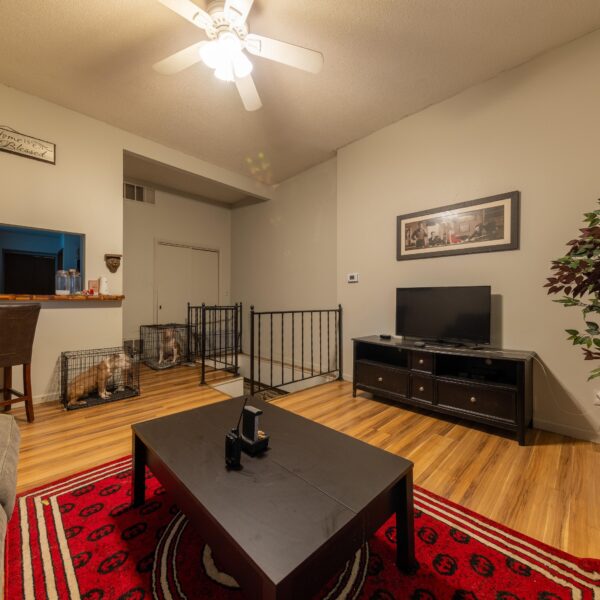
[[224, 71], [210, 55], [229, 44], [242, 66]]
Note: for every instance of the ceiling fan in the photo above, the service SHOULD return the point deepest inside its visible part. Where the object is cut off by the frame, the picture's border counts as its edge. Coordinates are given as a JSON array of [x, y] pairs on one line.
[[224, 22]]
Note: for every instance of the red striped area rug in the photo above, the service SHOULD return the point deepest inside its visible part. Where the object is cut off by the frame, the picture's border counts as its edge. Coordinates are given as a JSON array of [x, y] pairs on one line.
[[78, 538]]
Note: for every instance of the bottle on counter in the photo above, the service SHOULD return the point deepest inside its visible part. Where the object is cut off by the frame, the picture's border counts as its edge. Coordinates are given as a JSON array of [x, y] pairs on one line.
[[62, 283], [74, 281], [102, 285]]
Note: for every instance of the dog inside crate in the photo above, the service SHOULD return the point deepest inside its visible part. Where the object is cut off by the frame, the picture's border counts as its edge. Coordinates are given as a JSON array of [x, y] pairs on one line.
[[92, 377], [164, 346]]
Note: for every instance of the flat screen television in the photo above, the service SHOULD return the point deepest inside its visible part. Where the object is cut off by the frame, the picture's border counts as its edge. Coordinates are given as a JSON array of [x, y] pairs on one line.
[[445, 314]]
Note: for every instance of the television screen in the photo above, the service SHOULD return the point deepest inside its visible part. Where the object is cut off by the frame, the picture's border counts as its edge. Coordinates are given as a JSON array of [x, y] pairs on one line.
[[459, 314]]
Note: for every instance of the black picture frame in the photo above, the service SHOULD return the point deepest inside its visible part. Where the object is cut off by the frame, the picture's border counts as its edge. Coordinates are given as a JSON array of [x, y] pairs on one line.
[[491, 224]]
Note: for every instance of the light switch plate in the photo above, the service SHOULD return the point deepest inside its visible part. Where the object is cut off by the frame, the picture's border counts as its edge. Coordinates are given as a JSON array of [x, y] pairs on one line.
[[352, 277]]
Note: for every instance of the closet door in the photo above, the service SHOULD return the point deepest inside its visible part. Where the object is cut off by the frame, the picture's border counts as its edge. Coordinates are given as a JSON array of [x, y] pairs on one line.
[[184, 274], [204, 277]]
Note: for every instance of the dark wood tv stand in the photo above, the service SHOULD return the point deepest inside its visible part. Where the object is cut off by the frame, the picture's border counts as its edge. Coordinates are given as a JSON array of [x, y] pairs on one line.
[[488, 386]]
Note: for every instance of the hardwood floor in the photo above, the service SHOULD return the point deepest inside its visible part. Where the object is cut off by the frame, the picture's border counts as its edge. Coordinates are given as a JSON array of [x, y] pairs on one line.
[[549, 489], [60, 442]]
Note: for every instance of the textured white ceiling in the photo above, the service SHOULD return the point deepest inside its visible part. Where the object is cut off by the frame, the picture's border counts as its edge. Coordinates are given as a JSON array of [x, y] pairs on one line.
[[384, 59]]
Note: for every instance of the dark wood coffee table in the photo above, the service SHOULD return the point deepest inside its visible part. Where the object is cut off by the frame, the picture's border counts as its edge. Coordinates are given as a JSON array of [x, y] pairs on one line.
[[285, 523]]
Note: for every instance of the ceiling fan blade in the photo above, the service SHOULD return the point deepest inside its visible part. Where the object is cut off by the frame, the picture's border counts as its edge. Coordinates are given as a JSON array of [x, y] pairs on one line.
[[288, 54], [247, 89], [180, 60], [237, 10], [189, 11]]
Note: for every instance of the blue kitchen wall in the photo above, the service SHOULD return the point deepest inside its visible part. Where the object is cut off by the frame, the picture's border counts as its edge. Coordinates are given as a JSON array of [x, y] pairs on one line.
[[25, 239]]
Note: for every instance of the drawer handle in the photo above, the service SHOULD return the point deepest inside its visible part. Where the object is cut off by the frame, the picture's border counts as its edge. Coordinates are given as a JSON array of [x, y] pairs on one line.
[[420, 361], [421, 388], [380, 379], [473, 399]]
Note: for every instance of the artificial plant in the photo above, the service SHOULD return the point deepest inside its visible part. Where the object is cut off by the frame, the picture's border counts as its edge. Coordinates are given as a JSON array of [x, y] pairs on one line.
[[577, 277]]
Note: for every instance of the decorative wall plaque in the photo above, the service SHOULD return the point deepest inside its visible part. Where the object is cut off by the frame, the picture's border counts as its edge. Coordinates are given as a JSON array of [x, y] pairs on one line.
[[24, 145], [113, 261]]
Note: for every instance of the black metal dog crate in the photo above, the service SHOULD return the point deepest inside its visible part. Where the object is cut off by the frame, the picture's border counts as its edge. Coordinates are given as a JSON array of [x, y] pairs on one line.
[[91, 377], [164, 346], [133, 346]]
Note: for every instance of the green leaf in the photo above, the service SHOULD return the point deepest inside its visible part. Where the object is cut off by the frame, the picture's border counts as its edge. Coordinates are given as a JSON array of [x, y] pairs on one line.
[[576, 277]]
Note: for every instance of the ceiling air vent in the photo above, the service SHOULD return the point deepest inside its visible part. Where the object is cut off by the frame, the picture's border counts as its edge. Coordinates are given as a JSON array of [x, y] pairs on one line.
[[139, 193]]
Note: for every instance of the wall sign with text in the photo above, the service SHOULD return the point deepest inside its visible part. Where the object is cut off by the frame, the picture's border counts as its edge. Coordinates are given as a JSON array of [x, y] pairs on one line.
[[24, 145]]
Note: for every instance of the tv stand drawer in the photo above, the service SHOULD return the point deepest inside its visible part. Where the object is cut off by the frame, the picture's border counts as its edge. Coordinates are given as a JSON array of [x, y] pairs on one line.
[[380, 376], [490, 402], [422, 388], [422, 361]]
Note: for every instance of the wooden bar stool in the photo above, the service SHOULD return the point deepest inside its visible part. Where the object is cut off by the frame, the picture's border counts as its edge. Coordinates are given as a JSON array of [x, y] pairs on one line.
[[17, 330]]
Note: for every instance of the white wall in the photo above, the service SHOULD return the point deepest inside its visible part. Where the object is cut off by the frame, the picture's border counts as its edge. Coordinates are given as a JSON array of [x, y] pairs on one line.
[[173, 219], [82, 193], [284, 250], [533, 129]]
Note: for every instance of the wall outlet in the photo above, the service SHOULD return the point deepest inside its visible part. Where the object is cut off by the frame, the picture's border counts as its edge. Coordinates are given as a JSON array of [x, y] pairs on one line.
[[352, 277], [597, 399]]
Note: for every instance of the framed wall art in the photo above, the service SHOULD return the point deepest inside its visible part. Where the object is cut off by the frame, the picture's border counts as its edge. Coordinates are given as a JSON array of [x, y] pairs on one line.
[[484, 225], [13, 142]]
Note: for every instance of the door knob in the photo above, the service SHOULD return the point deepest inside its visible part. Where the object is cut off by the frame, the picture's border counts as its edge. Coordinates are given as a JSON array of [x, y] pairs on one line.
[[473, 399], [380, 379], [420, 361], [421, 389]]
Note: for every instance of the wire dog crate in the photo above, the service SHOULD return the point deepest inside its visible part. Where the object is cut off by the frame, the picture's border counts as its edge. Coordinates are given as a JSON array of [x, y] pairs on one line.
[[132, 346], [91, 377], [164, 346]]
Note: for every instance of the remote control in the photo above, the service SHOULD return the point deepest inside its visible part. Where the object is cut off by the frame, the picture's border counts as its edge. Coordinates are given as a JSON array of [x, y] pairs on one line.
[[385, 336]]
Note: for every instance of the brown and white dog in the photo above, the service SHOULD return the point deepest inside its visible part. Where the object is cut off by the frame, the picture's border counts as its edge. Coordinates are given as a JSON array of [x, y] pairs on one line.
[[168, 346], [97, 377], [120, 365]]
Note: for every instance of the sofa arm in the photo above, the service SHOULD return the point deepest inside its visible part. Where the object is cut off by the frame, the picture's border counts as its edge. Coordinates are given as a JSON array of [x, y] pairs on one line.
[[9, 455]]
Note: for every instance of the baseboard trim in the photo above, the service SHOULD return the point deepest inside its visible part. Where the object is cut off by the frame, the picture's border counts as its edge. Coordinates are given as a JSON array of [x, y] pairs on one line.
[[46, 398], [579, 433]]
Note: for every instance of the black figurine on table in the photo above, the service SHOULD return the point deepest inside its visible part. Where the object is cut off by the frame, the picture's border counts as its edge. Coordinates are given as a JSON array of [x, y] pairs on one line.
[[252, 440]]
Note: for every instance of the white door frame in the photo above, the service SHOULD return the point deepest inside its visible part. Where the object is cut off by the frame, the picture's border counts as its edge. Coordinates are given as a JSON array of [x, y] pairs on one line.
[[160, 241]]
